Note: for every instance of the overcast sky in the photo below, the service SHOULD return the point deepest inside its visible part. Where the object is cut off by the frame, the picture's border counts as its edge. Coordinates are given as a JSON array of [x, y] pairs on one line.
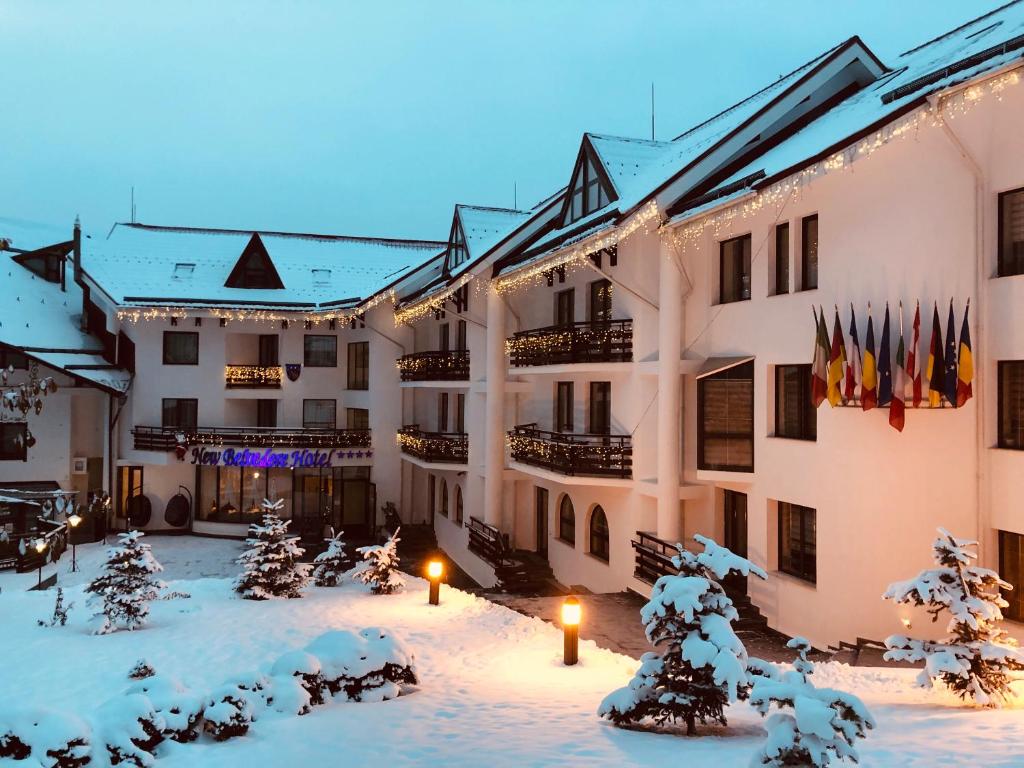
[[374, 118]]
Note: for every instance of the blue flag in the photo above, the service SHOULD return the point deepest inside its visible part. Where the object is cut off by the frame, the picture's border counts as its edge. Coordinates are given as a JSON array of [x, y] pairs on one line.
[[949, 375], [885, 364]]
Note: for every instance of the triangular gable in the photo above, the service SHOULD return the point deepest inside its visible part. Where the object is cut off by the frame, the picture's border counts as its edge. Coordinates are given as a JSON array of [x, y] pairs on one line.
[[254, 269], [591, 188], [458, 252]]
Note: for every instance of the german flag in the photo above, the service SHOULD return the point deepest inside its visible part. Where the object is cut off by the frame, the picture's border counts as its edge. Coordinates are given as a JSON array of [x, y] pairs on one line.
[[965, 374], [934, 370], [869, 388], [836, 364]]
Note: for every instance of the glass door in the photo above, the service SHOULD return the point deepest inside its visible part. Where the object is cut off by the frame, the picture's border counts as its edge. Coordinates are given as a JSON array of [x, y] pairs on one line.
[[541, 517], [734, 508]]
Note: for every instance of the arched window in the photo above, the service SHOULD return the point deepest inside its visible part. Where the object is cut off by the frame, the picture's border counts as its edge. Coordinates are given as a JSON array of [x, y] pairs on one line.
[[458, 504], [599, 533], [567, 521], [444, 498]]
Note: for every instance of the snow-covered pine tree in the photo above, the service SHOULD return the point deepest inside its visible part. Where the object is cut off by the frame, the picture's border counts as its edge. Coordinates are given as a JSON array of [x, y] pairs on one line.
[[60, 612], [379, 568], [976, 658], [126, 585], [809, 725], [702, 665], [270, 565], [330, 564]]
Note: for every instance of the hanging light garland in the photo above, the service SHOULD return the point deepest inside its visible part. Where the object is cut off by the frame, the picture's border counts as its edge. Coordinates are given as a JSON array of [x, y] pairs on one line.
[[431, 304], [252, 375], [432, 446]]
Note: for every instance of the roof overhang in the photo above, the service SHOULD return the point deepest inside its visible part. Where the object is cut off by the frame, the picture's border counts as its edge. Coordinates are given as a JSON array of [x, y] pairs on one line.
[[715, 365]]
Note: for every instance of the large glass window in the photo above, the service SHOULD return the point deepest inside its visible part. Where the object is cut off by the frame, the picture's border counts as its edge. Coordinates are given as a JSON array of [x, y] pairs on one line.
[[319, 414], [797, 541], [236, 494], [734, 270], [460, 413], [588, 192], [320, 351], [600, 301], [457, 251], [1011, 569], [725, 404], [442, 412], [180, 413], [1011, 404], [600, 407], [809, 253], [567, 521], [12, 441], [563, 406], [359, 365], [1011, 233], [599, 546], [181, 348], [795, 415], [782, 258]]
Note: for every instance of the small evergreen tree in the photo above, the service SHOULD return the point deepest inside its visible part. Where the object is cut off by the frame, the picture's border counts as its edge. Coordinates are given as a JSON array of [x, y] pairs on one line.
[[809, 725], [703, 664], [977, 657], [126, 586], [271, 566], [60, 612], [379, 568], [329, 565]]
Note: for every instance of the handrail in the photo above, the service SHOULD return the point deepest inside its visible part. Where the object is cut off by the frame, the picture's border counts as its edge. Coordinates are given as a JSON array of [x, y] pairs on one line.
[[435, 365], [442, 447], [591, 455], [593, 341]]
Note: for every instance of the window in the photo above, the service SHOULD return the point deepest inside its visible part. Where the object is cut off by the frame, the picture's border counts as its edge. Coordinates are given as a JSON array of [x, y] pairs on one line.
[[268, 349], [1011, 404], [320, 351], [444, 498], [600, 301], [12, 358], [181, 348], [13, 445], [234, 494], [460, 413], [734, 270], [1011, 569], [725, 404], [795, 415], [782, 258], [431, 496], [357, 418], [458, 504], [460, 336], [457, 251], [254, 269], [600, 407], [588, 191], [567, 521], [319, 414], [444, 337], [599, 534], [1011, 233], [359, 365], [321, 277], [183, 271], [180, 413], [442, 412], [797, 550], [565, 307], [266, 413], [809, 253], [563, 406]]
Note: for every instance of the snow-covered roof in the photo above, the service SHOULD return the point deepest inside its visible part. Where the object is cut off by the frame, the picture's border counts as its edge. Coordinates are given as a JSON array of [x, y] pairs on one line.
[[25, 235], [140, 265], [484, 227]]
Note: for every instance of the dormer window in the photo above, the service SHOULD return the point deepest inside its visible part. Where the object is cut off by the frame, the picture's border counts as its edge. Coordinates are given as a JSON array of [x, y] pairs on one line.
[[183, 271], [254, 269], [457, 251], [321, 276], [589, 191]]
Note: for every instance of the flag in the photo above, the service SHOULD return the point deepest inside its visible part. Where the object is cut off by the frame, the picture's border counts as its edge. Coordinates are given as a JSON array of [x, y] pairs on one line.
[[897, 409], [853, 357], [819, 368], [933, 372], [869, 388], [949, 364], [913, 367], [966, 371], [836, 364], [885, 364]]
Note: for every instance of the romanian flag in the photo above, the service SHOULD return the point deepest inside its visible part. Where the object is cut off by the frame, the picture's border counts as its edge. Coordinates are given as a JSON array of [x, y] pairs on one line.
[[869, 388], [914, 393], [836, 364], [819, 368], [851, 389], [885, 364], [897, 409], [966, 373], [949, 364], [933, 371]]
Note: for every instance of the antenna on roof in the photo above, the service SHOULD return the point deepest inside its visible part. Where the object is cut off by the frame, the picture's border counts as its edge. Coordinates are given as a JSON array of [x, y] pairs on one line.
[[652, 110], [133, 204], [515, 196]]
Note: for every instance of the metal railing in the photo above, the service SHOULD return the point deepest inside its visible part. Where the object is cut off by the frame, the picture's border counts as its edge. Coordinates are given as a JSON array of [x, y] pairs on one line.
[[599, 341], [487, 542], [167, 438], [439, 447], [252, 376], [446, 365], [653, 557], [572, 454]]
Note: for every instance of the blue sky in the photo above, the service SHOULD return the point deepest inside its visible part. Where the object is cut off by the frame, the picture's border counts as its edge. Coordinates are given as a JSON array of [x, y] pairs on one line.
[[374, 118]]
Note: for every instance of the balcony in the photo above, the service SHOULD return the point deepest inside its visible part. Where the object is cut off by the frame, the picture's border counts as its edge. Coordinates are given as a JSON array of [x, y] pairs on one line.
[[167, 438], [487, 542], [571, 454], [434, 447], [445, 365], [252, 376], [608, 341], [653, 557]]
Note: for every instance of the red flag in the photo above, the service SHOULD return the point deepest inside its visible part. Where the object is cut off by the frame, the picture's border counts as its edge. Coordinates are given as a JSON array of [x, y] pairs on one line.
[[915, 393], [819, 367]]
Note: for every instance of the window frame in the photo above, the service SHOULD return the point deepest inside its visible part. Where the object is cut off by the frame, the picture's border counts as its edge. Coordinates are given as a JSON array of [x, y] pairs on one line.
[[306, 424], [314, 358], [1002, 440], [357, 374], [180, 335], [266, 407], [563, 520], [702, 433], [599, 412], [1001, 229], [603, 553], [807, 428], [565, 406], [782, 259], [746, 258], [805, 255], [801, 571], [177, 405]]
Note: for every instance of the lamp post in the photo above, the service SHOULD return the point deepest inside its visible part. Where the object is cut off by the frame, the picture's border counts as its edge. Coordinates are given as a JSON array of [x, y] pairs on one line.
[[74, 521], [571, 612], [40, 547], [434, 570]]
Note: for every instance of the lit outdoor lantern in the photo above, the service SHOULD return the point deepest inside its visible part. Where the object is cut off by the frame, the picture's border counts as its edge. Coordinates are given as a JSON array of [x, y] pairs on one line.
[[40, 547], [571, 612], [434, 570], [74, 521]]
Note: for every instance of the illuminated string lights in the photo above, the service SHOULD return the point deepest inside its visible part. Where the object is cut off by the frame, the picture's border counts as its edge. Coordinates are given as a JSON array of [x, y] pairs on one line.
[[431, 304], [598, 341], [449, 448], [252, 376], [450, 365]]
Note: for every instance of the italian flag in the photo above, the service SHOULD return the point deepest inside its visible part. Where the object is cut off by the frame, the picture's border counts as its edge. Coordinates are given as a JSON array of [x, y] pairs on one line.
[[819, 368]]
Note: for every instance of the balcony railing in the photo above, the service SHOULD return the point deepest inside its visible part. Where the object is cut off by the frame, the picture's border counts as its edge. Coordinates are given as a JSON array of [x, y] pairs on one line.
[[167, 438], [438, 447], [605, 341], [447, 365], [653, 557], [572, 454], [487, 542], [252, 376]]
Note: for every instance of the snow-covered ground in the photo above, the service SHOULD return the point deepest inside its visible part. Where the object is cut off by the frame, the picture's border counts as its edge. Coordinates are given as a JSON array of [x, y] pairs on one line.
[[493, 690]]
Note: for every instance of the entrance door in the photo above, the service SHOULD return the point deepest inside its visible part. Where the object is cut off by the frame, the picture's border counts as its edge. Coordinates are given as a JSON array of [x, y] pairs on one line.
[[541, 518], [734, 509], [308, 507]]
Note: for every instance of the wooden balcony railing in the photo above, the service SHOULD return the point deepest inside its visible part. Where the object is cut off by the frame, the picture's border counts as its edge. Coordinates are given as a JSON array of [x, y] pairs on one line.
[[252, 376], [572, 454], [605, 341], [447, 365], [487, 542], [653, 557], [166, 438], [439, 447]]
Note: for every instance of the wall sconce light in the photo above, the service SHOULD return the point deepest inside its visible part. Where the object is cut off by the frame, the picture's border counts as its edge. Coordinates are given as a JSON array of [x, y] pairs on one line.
[[571, 613]]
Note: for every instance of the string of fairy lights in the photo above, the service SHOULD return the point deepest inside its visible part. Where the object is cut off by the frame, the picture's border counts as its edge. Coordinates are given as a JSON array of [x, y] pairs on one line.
[[432, 446], [252, 375], [431, 304]]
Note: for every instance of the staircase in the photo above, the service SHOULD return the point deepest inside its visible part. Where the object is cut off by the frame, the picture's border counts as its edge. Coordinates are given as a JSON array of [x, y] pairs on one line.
[[526, 573], [751, 619]]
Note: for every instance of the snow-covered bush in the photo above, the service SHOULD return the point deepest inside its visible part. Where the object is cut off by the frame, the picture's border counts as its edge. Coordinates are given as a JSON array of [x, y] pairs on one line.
[[370, 666], [976, 658], [51, 739], [180, 708], [330, 564], [807, 725], [126, 585], [130, 728], [702, 665], [306, 668], [270, 565], [379, 568], [228, 714], [60, 612], [142, 669]]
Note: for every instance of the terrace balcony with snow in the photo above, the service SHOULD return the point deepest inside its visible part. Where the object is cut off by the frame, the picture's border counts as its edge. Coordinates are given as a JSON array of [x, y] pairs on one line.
[[443, 365]]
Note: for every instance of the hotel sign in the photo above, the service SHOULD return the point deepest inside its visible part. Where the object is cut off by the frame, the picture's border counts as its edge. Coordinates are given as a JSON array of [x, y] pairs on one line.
[[274, 457]]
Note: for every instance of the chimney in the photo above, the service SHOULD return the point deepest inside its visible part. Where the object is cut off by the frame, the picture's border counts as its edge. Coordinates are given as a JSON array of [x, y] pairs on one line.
[[76, 253]]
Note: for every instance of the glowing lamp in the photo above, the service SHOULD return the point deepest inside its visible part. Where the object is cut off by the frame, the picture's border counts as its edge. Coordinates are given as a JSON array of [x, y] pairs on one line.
[[906, 622], [75, 520], [571, 614], [434, 570], [40, 545]]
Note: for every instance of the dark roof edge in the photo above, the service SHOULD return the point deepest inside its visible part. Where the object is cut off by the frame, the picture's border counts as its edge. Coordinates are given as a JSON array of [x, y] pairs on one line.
[[953, 31], [396, 241]]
